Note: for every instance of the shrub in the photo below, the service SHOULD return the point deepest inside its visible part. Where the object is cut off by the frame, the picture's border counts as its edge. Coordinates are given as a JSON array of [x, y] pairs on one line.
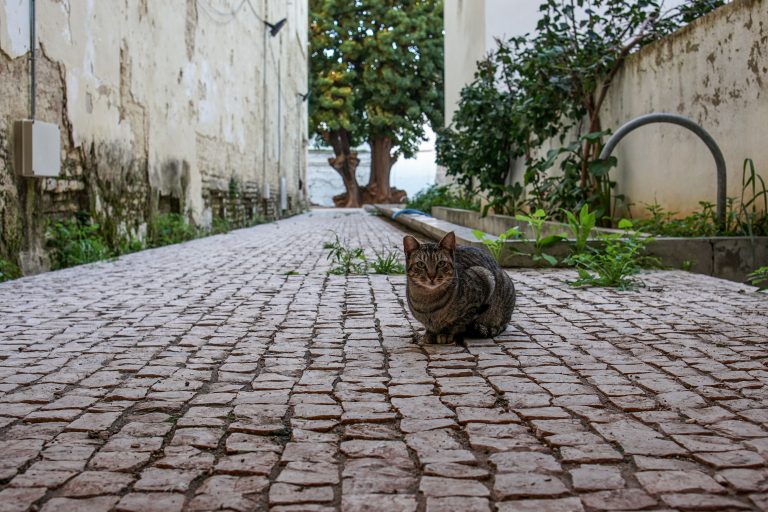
[[441, 195]]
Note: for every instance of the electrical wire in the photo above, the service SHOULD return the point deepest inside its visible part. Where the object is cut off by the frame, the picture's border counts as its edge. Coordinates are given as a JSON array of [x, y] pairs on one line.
[[213, 12]]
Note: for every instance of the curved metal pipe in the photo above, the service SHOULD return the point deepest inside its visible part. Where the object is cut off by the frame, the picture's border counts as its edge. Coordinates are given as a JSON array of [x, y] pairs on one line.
[[695, 128]]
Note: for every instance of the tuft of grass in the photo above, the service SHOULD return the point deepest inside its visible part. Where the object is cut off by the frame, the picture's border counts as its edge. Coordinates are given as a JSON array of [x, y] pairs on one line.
[[389, 264], [76, 242], [171, 228], [8, 270], [220, 225]]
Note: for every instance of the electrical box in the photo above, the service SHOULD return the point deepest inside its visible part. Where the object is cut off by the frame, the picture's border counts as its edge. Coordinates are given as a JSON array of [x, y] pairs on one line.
[[37, 149]]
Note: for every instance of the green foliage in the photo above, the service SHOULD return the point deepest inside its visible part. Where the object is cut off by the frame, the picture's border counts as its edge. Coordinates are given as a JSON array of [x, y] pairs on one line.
[[536, 221], [220, 225], [751, 216], [581, 227], [8, 270], [347, 260], [76, 242], [441, 195], [376, 70], [747, 217], [351, 260], [496, 246], [129, 244], [620, 257], [542, 86], [171, 228], [389, 264], [759, 278]]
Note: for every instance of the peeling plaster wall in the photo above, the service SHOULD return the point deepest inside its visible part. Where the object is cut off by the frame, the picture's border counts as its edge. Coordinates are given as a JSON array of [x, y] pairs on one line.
[[714, 71], [162, 106]]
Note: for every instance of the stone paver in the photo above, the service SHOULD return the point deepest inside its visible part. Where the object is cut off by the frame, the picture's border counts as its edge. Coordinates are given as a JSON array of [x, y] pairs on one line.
[[234, 373]]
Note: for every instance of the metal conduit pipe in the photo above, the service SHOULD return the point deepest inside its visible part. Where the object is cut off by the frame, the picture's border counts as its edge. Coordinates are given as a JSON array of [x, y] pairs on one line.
[[32, 61], [695, 128]]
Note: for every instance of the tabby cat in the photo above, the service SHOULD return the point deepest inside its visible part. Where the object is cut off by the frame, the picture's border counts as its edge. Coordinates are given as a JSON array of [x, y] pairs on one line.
[[455, 291]]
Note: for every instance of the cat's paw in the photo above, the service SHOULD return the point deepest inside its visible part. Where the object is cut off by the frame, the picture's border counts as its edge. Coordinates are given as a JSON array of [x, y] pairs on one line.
[[428, 338], [444, 339]]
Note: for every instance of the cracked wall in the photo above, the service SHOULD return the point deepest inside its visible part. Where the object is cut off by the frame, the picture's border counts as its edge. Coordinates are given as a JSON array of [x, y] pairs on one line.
[[163, 106]]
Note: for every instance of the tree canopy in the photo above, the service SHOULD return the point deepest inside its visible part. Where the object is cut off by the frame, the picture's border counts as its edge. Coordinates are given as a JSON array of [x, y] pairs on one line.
[[376, 76]]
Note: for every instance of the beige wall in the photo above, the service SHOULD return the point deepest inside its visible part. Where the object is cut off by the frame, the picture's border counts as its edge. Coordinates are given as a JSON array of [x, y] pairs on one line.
[[172, 89], [714, 72], [464, 22]]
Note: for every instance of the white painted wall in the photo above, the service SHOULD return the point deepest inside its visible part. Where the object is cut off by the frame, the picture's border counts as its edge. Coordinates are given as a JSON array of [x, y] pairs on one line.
[[175, 80]]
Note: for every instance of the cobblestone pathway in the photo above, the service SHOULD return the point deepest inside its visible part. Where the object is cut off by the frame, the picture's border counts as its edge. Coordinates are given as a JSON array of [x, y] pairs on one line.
[[233, 373]]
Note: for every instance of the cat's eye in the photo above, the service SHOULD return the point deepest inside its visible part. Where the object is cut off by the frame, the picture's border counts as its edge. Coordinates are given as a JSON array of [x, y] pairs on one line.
[[420, 264], [442, 264]]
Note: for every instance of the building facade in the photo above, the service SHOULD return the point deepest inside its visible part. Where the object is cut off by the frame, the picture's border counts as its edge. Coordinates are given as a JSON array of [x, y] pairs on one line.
[[181, 106]]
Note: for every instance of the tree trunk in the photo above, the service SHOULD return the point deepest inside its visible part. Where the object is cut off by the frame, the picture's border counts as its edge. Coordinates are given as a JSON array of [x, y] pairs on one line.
[[345, 162], [346, 166], [378, 189]]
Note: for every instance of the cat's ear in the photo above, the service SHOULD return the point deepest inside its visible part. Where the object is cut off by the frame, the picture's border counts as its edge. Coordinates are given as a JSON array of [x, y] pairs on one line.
[[410, 244], [448, 242]]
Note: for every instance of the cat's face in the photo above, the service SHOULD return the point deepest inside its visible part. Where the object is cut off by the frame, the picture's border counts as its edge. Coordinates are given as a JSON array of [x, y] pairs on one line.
[[430, 265]]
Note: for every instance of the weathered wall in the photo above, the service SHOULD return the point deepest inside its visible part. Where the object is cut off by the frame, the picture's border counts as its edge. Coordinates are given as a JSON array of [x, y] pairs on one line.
[[179, 105], [714, 71]]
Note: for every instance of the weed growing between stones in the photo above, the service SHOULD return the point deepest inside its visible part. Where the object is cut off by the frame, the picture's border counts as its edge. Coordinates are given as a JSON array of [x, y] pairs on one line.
[[348, 260], [621, 256], [389, 264]]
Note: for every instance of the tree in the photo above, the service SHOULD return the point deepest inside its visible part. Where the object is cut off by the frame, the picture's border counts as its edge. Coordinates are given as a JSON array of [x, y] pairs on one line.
[[376, 71]]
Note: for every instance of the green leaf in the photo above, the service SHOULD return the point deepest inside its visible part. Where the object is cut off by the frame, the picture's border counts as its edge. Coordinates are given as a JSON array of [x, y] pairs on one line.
[[478, 234], [550, 259], [601, 168], [551, 240], [625, 224]]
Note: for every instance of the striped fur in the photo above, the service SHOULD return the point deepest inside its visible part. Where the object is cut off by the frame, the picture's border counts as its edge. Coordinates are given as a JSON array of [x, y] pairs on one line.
[[455, 291]]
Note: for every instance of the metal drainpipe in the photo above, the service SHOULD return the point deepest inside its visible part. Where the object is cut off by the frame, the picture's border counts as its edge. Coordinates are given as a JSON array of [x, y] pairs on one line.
[[32, 59], [695, 128]]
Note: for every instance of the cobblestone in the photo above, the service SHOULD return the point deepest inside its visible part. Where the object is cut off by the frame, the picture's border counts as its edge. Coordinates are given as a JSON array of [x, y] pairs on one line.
[[235, 373]]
